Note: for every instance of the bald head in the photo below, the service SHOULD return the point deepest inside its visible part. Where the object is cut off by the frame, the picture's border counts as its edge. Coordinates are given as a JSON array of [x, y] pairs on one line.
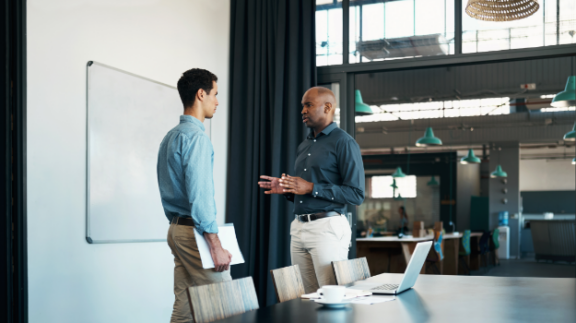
[[318, 107]]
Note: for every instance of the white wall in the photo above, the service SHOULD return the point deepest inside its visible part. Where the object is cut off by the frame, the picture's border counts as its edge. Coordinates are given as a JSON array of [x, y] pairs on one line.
[[547, 175], [70, 280]]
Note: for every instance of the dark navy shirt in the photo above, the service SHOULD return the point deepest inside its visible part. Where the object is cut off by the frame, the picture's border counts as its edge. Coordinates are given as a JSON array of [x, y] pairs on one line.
[[332, 161]]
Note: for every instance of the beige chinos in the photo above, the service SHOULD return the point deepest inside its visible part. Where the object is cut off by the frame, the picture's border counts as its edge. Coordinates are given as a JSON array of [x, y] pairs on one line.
[[188, 270], [313, 247]]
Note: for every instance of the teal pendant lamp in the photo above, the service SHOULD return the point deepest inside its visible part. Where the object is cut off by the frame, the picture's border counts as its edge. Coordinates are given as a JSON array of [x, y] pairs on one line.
[[399, 198], [428, 139], [362, 109], [394, 186], [498, 172], [433, 182], [470, 158], [566, 98], [570, 136], [398, 173]]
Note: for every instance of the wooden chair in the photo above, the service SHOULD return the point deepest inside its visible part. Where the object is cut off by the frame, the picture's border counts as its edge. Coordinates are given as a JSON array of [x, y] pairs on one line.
[[217, 301], [349, 271], [287, 283]]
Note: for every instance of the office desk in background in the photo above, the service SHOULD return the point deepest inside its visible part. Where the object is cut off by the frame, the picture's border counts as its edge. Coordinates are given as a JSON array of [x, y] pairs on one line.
[[441, 299], [392, 254]]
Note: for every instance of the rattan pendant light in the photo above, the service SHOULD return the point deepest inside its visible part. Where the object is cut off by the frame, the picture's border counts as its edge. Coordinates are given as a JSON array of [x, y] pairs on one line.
[[501, 10]]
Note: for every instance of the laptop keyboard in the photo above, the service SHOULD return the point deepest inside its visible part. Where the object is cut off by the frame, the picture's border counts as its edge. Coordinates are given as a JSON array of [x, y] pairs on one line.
[[386, 287]]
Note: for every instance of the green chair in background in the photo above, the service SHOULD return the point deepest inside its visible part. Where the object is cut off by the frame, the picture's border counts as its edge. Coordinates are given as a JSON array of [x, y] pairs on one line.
[[494, 245], [463, 256]]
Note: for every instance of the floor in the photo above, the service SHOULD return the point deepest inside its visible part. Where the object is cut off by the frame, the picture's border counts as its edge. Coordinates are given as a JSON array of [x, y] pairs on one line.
[[528, 268]]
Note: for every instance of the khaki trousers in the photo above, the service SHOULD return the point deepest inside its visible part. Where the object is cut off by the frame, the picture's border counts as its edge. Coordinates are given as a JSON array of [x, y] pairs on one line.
[[188, 270], [313, 247]]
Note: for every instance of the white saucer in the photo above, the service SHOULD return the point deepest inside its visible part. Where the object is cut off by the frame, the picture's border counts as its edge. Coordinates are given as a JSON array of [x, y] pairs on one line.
[[339, 304]]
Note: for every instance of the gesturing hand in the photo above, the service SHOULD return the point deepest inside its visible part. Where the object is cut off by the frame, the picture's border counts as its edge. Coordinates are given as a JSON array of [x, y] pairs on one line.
[[273, 186], [296, 185]]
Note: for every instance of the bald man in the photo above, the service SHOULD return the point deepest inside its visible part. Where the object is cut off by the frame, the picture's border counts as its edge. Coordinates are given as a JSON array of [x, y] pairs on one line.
[[328, 175]]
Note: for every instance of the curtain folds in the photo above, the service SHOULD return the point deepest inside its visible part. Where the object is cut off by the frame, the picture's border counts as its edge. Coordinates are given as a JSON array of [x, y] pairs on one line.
[[273, 62]]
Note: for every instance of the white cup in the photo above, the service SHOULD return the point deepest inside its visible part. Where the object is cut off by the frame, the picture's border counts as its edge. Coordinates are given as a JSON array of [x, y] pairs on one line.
[[332, 293]]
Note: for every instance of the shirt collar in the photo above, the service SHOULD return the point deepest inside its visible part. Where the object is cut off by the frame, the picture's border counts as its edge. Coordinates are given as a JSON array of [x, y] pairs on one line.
[[191, 119], [326, 130]]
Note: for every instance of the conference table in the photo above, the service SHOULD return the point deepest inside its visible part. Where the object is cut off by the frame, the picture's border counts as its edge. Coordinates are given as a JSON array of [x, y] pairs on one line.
[[442, 299], [392, 254]]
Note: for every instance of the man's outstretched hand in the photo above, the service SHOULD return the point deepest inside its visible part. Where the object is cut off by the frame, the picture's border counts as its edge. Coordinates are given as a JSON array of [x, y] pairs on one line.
[[272, 185], [295, 185]]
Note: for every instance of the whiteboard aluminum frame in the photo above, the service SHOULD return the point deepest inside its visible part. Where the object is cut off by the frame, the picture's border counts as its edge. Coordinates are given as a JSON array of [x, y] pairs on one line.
[[88, 232]]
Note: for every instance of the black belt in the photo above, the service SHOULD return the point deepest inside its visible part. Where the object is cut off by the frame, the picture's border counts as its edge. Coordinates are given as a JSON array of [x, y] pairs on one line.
[[316, 216], [183, 221]]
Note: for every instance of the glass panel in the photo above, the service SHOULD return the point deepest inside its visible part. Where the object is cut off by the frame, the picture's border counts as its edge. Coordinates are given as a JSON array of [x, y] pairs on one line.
[[379, 214], [553, 24], [328, 32], [385, 29]]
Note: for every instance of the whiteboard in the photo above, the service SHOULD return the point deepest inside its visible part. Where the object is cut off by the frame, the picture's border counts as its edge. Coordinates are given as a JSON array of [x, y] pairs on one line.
[[127, 118]]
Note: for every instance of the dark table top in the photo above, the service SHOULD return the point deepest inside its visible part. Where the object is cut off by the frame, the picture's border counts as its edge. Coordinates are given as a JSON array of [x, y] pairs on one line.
[[442, 299]]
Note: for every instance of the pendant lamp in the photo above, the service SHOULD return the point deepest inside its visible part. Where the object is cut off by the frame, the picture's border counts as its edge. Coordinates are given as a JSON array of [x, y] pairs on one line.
[[566, 98], [501, 10], [362, 109], [498, 172], [470, 158], [570, 135], [394, 186], [399, 197], [432, 182], [428, 139], [398, 173]]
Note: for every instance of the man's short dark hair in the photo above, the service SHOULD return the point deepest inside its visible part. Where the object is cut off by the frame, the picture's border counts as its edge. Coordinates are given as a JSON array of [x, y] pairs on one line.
[[192, 81]]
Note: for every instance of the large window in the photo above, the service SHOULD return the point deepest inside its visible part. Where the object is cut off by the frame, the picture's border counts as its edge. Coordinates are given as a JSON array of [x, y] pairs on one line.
[[382, 30], [553, 24], [328, 32], [395, 29]]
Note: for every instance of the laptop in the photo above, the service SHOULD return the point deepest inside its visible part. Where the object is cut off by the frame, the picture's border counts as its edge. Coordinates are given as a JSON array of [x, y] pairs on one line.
[[409, 278]]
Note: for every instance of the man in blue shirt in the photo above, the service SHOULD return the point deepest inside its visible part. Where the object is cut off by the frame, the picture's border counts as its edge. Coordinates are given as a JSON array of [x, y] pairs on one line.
[[185, 164], [328, 175]]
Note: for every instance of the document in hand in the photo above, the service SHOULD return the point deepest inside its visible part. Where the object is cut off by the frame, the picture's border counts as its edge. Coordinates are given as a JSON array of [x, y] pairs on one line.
[[229, 242]]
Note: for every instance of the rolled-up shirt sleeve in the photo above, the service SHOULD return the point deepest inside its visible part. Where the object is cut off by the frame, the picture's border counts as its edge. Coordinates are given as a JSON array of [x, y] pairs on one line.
[[351, 169], [198, 162]]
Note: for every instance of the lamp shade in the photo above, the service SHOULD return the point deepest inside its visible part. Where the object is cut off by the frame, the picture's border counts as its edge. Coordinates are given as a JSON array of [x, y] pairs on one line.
[[398, 173], [362, 109], [432, 182], [566, 98], [399, 197], [570, 135], [501, 10], [498, 172], [470, 158], [428, 139]]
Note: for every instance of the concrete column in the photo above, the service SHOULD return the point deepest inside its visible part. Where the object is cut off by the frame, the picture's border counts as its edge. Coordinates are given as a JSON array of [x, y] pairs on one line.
[[507, 155]]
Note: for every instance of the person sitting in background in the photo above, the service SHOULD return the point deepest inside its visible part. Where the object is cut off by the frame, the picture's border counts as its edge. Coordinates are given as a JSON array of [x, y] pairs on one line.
[[403, 221]]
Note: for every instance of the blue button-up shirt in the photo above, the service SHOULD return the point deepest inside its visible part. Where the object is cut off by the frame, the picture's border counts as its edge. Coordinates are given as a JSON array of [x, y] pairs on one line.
[[185, 163], [333, 163]]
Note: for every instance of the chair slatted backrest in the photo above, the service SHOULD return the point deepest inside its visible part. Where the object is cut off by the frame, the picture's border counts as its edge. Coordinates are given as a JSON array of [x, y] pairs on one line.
[[466, 242], [349, 271], [217, 301], [495, 236], [288, 283]]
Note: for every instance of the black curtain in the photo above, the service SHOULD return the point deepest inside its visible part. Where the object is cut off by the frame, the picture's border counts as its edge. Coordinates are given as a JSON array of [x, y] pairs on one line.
[[272, 65], [13, 256]]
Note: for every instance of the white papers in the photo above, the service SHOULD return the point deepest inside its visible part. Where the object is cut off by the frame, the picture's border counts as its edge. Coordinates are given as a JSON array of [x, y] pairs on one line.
[[373, 300], [229, 242], [350, 294]]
